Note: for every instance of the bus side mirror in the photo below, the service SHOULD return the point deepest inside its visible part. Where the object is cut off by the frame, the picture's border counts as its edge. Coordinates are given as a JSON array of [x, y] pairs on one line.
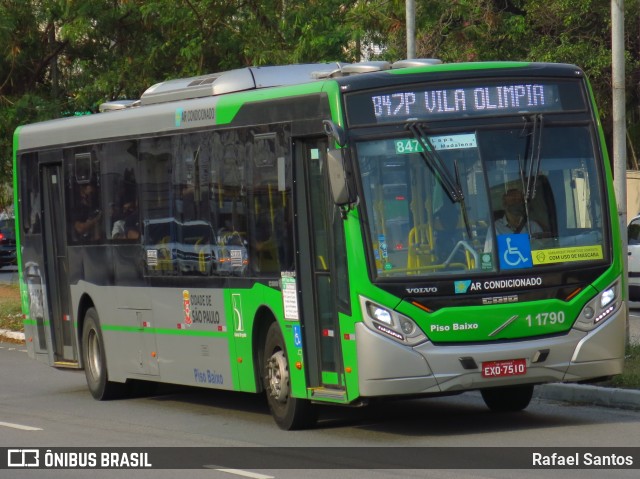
[[335, 131], [340, 190]]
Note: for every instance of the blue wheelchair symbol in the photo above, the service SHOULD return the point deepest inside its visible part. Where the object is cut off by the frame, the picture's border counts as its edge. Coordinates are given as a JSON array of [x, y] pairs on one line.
[[297, 336], [514, 251]]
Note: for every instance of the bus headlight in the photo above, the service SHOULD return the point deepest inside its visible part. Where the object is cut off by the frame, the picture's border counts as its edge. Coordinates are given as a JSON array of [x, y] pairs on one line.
[[608, 296], [379, 313], [391, 324], [599, 308]]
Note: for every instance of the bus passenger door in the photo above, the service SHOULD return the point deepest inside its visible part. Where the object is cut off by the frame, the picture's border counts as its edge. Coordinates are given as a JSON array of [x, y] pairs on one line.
[[318, 224], [55, 251]]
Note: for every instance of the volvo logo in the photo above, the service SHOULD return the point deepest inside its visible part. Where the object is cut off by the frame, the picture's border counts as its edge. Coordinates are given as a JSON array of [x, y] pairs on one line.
[[430, 289]]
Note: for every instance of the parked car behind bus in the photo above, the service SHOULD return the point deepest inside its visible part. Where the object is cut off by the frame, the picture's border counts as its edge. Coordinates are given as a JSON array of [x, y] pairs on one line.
[[7, 242], [633, 232]]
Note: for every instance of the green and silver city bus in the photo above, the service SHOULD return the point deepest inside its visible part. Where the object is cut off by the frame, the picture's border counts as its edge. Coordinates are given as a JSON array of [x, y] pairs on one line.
[[328, 233]]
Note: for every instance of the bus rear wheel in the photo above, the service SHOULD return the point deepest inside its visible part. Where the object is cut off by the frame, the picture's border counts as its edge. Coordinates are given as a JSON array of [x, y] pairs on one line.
[[289, 413], [95, 363], [508, 399]]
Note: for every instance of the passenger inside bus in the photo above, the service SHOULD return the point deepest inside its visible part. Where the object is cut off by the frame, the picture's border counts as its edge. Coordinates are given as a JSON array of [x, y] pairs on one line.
[[132, 220], [87, 218], [127, 222]]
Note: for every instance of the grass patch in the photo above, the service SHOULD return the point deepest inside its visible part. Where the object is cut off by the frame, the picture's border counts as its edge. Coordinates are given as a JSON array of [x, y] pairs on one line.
[[10, 308], [630, 377]]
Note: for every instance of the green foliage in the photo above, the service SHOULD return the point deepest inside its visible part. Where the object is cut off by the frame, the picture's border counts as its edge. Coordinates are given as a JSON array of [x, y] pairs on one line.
[[58, 57], [630, 377]]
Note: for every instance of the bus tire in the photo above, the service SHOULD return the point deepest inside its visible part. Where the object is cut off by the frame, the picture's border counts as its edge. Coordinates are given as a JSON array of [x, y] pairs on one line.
[[289, 413], [508, 399], [95, 362]]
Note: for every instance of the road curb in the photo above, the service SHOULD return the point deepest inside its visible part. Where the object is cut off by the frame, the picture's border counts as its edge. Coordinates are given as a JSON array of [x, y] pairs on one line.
[[16, 336], [590, 395]]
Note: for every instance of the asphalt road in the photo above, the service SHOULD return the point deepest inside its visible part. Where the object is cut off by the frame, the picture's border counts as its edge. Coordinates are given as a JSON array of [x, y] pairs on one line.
[[45, 408]]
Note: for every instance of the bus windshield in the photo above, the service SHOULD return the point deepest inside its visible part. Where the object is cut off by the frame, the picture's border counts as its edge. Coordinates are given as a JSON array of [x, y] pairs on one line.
[[530, 198]]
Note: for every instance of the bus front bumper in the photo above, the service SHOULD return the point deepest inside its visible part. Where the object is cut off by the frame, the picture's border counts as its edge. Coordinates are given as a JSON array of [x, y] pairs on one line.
[[387, 368]]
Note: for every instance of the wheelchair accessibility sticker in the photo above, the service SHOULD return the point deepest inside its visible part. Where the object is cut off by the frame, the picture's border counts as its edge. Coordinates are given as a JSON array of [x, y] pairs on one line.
[[514, 251], [297, 336]]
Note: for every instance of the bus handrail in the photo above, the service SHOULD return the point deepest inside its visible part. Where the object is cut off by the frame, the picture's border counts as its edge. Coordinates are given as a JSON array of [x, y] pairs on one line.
[[467, 246]]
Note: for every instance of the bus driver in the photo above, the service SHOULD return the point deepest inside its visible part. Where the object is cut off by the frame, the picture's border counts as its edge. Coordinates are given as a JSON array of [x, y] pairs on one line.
[[514, 220]]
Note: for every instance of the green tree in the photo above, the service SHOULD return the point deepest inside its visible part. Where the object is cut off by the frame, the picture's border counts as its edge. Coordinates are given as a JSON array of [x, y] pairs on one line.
[[568, 31], [58, 57]]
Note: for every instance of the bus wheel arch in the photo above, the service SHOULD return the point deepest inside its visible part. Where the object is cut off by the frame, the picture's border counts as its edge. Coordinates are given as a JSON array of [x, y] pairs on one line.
[[84, 305], [263, 319]]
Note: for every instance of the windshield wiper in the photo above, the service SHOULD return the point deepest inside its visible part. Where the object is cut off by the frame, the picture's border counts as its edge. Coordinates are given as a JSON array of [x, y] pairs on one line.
[[435, 162], [534, 157]]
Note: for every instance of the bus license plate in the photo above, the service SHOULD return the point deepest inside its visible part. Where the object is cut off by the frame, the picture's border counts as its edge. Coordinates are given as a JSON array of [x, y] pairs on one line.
[[510, 367]]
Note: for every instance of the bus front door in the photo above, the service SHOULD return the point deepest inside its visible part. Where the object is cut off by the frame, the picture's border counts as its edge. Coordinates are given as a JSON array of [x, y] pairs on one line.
[[62, 347], [318, 226]]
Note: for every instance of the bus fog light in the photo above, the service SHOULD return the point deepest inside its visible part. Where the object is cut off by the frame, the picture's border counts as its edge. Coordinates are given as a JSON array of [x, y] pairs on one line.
[[589, 313], [407, 326]]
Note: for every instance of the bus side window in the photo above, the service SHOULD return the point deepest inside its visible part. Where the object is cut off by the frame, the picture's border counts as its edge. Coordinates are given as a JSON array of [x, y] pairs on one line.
[[86, 218], [121, 194], [30, 192], [270, 234], [227, 202]]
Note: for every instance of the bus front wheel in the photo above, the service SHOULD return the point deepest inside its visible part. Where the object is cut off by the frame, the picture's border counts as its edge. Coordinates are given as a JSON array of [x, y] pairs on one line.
[[95, 363], [288, 412], [508, 399]]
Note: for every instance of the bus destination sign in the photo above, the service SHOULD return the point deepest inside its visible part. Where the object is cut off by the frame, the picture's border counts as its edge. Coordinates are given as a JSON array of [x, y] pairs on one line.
[[462, 101]]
